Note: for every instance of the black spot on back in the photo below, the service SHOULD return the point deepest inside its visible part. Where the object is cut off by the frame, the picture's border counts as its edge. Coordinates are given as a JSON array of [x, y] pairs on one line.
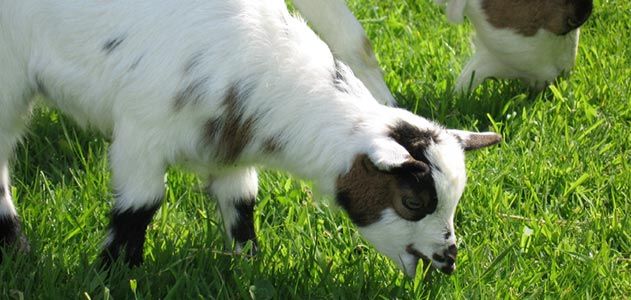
[[110, 45]]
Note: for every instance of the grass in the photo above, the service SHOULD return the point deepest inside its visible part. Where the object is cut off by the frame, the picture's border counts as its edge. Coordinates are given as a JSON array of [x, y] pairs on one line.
[[545, 214]]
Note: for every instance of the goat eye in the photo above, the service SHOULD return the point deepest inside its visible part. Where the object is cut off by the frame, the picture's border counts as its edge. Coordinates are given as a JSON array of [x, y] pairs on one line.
[[412, 203]]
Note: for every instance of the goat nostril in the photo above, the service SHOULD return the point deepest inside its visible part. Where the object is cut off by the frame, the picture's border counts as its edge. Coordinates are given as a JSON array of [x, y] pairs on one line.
[[451, 252]]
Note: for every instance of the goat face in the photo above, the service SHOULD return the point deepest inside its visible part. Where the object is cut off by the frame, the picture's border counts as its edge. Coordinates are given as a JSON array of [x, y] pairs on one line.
[[404, 202]]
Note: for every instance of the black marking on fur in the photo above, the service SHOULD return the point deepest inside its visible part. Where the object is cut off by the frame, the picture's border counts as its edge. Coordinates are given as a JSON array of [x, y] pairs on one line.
[[111, 44], [193, 93], [11, 234], [128, 230], [193, 62], [2, 190], [414, 140], [339, 80], [243, 230]]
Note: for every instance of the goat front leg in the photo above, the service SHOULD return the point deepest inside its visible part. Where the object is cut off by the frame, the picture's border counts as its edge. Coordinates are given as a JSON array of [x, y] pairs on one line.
[[138, 179], [236, 194], [481, 66], [337, 26]]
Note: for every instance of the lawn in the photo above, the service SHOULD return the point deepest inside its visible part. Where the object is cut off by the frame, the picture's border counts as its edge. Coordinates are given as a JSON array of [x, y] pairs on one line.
[[544, 215]]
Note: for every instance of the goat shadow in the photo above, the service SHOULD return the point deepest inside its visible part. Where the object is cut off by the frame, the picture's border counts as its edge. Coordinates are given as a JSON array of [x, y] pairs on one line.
[[482, 109]]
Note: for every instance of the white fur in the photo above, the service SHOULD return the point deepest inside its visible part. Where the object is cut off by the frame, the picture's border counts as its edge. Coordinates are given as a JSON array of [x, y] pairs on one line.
[[254, 47], [503, 53], [6, 205]]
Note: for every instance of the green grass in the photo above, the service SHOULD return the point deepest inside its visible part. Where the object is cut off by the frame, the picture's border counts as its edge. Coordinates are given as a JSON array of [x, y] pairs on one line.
[[545, 214]]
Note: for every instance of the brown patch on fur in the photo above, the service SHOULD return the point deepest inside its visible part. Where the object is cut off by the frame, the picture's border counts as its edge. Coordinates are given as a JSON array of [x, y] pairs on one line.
[[272, 145], [193, 93], [237, 130], [364, 192], [210, 130], [528, 16]]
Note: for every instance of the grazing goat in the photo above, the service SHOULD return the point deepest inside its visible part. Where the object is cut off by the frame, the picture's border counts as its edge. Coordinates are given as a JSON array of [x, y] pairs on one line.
[[223, 87], [534, 41], [531, 40]]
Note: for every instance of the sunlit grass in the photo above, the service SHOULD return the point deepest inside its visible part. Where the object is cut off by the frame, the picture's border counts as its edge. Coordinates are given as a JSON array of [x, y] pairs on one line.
[[545, 214]]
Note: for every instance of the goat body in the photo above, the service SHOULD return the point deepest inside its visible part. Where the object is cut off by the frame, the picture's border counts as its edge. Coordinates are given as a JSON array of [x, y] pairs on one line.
[[223, 87]]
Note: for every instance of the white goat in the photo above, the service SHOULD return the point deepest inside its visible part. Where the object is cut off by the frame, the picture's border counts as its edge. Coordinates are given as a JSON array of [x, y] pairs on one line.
[[222, 87], [533, 40]]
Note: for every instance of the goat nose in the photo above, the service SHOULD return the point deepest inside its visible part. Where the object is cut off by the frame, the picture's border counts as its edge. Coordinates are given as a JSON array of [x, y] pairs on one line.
[[450, 254]]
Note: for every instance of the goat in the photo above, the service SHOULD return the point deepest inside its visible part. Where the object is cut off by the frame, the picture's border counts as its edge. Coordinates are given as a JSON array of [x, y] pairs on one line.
[[534, 41], [223, 87]]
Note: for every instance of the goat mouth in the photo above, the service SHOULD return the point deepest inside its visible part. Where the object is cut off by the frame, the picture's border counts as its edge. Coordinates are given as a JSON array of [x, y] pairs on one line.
[[417, 254]]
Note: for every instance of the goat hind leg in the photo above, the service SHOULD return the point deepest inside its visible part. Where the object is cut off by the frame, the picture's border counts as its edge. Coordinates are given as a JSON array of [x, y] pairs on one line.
[[236, 193]]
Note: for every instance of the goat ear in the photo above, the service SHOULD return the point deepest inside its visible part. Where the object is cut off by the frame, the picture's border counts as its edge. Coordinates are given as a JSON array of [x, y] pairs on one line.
[[455, 10], [388, 155], [412, 166], [475, 140]]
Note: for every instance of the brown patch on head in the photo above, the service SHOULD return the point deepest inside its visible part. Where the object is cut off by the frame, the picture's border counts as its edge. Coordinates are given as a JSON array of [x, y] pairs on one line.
[[364, 192], [528, 16]]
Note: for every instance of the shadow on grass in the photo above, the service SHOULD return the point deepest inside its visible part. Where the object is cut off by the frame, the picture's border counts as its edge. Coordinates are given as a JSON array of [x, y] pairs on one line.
[[195, 270], [480, 109]]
